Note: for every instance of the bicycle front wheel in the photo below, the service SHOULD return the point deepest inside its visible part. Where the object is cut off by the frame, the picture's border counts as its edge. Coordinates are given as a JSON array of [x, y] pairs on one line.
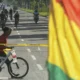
[[19, 69]]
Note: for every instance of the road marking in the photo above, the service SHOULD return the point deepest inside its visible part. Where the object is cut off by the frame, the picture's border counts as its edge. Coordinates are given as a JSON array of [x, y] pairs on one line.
[[33, 57], [22, 39], [39, 48], [11, 22], [28, 50], [39, 66], [18, 33], [45, 26], [3, 78]]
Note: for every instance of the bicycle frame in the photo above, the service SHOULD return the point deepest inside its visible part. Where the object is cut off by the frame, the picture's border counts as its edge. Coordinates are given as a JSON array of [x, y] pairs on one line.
[[10, 68], [4, 59]]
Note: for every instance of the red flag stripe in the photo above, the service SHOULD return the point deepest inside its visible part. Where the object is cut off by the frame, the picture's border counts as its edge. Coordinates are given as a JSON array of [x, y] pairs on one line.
[[72, 9]]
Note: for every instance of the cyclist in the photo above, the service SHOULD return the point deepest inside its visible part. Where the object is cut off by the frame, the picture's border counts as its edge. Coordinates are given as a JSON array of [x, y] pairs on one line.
[[3, 19], [16, 17], [6, 13], [3, 40], [10, 13], [36, 15]]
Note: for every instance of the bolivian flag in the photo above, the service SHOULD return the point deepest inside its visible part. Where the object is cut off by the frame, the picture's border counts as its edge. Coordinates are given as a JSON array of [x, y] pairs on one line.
[[64, 40]]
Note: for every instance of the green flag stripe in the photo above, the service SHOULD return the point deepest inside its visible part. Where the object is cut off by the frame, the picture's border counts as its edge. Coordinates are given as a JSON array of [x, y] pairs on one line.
[[55, 73]]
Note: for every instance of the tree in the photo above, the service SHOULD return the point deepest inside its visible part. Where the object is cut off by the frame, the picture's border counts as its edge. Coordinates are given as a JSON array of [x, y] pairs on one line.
[[42, 5]]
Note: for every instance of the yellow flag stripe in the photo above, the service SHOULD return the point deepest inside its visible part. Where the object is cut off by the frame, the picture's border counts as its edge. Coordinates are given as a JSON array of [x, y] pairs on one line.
[[76, 32]]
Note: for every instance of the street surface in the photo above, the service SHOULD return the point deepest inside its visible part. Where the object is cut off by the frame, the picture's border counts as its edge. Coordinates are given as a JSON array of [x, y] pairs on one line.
[[30, 33]]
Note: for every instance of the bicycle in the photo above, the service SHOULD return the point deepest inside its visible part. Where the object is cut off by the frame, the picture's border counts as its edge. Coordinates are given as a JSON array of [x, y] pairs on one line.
[[16, 67]]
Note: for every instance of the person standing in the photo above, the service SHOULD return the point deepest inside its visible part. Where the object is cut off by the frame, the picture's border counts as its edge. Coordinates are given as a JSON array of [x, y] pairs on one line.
[[16, 17], [11, 13], [3, 19]]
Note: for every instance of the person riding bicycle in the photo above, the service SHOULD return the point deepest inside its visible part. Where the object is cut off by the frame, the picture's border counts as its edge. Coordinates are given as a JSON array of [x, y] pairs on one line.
[[16, 17], [36, 13], [10, 13], [6, 13], [3, 19], [3, 40]]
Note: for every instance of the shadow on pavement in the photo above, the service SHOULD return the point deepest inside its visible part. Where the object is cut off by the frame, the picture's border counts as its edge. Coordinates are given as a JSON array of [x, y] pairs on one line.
[[29, 24], [43, 36]]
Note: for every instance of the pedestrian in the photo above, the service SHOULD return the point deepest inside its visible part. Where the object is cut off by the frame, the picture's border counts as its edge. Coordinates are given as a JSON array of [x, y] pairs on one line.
[[3, 19], [11, 13], [6, 12], [16, 17]]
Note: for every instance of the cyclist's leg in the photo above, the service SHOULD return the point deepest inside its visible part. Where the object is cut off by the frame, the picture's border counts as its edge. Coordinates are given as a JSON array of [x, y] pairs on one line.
[[7, 61], [8, 66], [15, 22], [1, 54], [6, 19], [11, 17]]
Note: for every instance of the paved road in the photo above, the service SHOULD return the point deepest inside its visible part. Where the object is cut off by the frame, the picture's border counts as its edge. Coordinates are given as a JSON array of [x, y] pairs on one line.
[[29, 32]]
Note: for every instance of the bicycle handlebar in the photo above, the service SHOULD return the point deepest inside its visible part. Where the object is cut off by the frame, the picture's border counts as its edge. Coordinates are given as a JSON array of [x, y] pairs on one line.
[[11, 47]]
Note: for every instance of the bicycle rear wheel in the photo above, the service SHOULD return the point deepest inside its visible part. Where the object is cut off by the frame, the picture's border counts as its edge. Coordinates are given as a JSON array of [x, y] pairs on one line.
[[21, 68]]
